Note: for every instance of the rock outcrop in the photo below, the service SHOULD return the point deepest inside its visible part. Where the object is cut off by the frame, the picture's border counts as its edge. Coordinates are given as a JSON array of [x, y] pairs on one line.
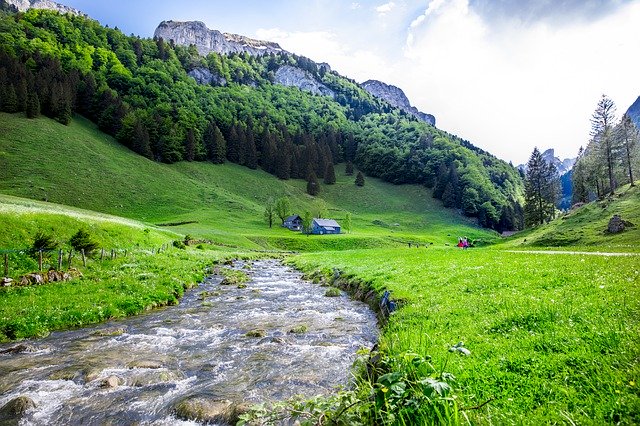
[[203, 76], [562, 166], [23, 5], [617, 224], [287, 75], [207, 41], [396, 97], [13, 411]]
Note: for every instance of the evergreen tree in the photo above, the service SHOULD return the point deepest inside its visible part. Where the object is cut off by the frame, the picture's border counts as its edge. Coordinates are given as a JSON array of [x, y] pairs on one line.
[[602, 122], [313, 186], [141, 143], [10, 101], [470, 201], [580, 190], [347, 222], [251, 156], [348, 168], [330, 174], [283, 163], [233, 153], [627, 136], [33, 105], [190, 146], [541, 190], [359, 179]]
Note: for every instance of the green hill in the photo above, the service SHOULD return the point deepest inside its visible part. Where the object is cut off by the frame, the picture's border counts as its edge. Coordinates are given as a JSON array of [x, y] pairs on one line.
[[586, 226], [77, 165]]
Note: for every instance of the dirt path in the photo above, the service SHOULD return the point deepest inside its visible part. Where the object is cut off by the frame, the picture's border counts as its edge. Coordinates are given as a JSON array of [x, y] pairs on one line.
[[591, 253]]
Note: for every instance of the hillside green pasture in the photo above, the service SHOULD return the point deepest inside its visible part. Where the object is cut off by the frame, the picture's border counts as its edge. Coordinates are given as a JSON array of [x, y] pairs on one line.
[[77, 165], [585, 228], [554, 339]]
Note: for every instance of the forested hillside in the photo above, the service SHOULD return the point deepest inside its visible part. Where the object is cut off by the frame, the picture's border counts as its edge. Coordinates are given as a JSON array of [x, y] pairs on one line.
[[139, 91]]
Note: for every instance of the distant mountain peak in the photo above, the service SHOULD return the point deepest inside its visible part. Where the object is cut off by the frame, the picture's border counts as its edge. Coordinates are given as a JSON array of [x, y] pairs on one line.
[[206, 40], [562, 166], [396, 97], [634, 112], [24, 5]]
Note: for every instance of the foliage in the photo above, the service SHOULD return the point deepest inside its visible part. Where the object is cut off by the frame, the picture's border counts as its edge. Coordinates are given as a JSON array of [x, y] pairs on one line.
[[541, 190], [270, 211], [43, 243], [283, 208], [359, 179], [82, 240], [313, 186]]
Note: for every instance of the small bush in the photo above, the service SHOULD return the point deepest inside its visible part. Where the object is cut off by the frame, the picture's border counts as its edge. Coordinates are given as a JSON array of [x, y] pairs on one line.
[[44, 242], [82, 240], [332, 292], [179, 244]]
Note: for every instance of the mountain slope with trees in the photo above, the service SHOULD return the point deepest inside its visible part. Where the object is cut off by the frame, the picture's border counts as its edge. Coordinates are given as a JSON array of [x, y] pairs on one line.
[[139, 91]]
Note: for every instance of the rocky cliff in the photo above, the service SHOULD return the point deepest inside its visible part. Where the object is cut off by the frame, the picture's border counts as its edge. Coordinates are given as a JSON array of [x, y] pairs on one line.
[[207, 41], [23, 5], [291, 76], [396, 97], [562, 166], [634, 112]]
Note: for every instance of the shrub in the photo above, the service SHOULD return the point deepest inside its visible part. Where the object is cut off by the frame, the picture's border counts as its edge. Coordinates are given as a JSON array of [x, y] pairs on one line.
[[179, 244], [44, 242], [82, 240]]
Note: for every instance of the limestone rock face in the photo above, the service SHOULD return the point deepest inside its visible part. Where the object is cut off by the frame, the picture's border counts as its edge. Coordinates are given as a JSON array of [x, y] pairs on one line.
[[204, 76], [287, 75], [396, 97], [23, 5], [207, 41]]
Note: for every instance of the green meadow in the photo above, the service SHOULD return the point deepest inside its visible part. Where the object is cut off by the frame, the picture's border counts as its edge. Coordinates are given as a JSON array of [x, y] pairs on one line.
[[489, 335]]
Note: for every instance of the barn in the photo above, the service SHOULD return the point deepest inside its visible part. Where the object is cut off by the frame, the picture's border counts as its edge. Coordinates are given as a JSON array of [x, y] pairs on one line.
[[324, 226]]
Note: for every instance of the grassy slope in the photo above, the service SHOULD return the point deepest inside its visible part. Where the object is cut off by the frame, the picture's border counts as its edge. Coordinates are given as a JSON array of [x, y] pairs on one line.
[[79, 166], [586, 226], [553, 338]]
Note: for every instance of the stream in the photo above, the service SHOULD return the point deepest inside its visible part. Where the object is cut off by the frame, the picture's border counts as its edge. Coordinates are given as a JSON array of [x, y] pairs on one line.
[[199, 348]]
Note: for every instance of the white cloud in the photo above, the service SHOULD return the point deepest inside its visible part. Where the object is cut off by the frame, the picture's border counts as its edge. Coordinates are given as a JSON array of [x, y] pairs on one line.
[[325, 46], [355, 5], [511, 88], [383, 9]]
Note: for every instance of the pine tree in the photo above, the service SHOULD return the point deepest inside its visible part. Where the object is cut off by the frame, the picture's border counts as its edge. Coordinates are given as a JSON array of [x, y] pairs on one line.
[[627, 136], [313, 186], [141, 143], [348, 168], [602, 122], [10, 101], [330, 174], [233, 153], [190, 146], [541, 190], [359, 179], [33, 105], [580, 191]]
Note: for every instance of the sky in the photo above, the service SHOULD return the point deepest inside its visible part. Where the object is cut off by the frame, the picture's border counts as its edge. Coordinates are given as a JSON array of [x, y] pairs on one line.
[[507, 75]]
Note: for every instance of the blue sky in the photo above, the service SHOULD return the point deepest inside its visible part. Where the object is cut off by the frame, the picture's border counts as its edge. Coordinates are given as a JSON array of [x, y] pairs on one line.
[[507, 75]]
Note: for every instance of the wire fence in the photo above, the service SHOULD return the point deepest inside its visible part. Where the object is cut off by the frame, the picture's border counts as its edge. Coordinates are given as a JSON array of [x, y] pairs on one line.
[[66, 257]]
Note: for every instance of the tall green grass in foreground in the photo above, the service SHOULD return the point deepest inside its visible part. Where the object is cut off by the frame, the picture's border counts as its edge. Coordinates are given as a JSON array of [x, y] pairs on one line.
[[553, 338]]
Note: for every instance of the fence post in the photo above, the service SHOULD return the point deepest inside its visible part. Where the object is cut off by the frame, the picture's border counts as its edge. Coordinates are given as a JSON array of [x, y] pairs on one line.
[[70, 257], [60, 260], [6, 264], [125, 252], [84, 259], [102, 254], [112, 254], [40, 260]]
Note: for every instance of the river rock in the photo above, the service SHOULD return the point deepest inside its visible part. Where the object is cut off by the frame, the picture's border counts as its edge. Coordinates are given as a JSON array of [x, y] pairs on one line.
[[145, 364], [206, 410], [6, 282], [18, 349], [13, 411], [111, 382]]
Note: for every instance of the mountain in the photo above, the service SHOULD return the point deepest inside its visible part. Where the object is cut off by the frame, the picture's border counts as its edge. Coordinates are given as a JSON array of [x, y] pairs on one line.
[[207, 41], [23, 5], [170, 104], [396, 97], [634, 112], [562, 166]]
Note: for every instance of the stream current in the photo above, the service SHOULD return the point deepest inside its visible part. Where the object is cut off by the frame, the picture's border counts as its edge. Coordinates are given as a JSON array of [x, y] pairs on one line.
[[199, 348]]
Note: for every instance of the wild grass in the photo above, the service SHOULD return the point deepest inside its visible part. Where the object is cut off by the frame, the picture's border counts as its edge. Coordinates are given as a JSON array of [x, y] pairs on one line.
[[552, 338]]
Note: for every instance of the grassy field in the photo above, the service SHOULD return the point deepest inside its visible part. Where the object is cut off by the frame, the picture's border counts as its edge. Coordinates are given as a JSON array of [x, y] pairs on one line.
[[554, 339], [79, 166]]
